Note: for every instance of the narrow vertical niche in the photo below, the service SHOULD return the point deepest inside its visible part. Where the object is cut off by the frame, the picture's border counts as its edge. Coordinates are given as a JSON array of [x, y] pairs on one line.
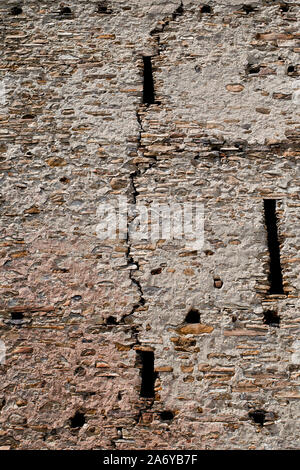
[[78, 420], [148, 90], [193, 316], [147, 373], [16, 11], [275, 274], [258, 416], [17, 315]]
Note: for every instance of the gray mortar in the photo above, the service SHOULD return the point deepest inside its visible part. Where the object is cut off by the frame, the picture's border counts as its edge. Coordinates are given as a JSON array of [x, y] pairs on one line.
[[216, 134]]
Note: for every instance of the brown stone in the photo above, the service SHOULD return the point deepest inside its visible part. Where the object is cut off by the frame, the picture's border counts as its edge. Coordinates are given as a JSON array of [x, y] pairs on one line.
[[187, 369], [263, 110], [282, 96], [19, 254], [23, 350], [32, 210], [235, 87], [56, 162], [101, 365], [243, 332], [194, 329], [274, 36], [122, 347], [118, 183], [189, 272]]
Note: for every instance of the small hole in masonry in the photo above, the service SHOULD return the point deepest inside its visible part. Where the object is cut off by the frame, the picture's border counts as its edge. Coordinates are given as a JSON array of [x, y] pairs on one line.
[[65, 11], [271, 318], [291, 69], [79, 371], [16, 11], [119, 396], [167, 415], [234, 318], [102, 8], [248, 9], [240, 144], [17, 316], [284, 7], [258, 416], [156, 271], [111, 321], [64, 180], [205, 9], [28, 116], [193, 316], [215, 147], [76, 298], [78, 420], [253, 69], [218, 283]]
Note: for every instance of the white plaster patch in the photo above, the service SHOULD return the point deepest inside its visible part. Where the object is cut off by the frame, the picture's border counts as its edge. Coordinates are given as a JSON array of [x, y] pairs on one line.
[[2, 93], [2, 352], [296, 354], [296, 94]]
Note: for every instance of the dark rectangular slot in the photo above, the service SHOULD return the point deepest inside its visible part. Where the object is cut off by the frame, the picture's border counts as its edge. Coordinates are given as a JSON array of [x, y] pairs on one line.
[[275, 274], [148, 90], [147, 373]]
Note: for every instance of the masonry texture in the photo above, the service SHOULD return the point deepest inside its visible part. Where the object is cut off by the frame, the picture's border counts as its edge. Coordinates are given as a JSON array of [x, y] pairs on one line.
[[78, 314]]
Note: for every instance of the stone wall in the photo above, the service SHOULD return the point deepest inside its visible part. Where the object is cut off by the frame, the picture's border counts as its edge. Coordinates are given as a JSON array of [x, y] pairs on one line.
[[82, 318]]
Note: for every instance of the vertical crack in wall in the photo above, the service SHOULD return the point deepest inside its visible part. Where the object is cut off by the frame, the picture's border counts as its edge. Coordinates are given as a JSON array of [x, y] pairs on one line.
[[134, 265], [138, 171], [165, 22], [147, 384]]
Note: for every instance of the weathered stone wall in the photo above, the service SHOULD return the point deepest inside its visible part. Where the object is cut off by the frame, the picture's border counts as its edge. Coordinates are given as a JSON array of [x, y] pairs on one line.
[[75, 310]]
